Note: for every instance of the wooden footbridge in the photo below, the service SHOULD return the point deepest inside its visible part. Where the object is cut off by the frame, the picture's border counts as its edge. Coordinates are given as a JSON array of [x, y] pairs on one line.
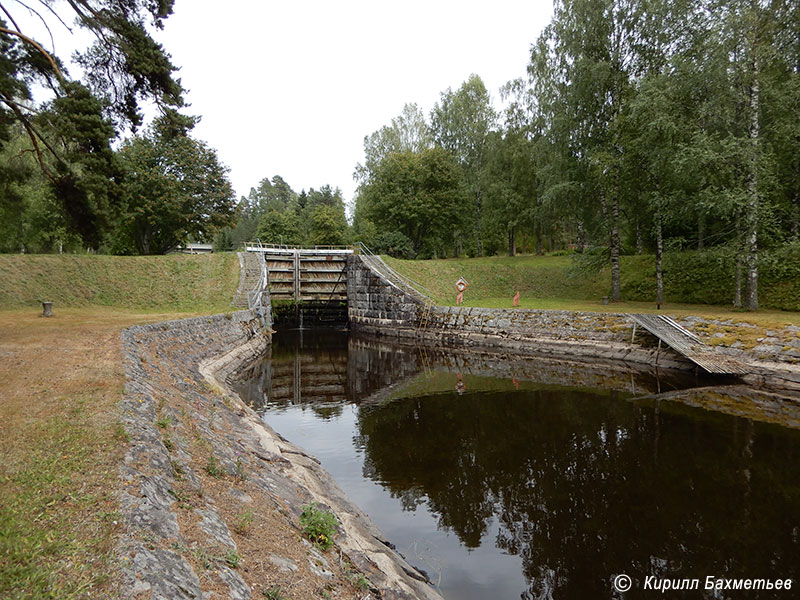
[[684, 342]]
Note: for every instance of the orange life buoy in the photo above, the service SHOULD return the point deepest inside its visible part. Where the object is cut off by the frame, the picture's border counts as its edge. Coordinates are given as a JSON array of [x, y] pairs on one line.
[[461, 286]]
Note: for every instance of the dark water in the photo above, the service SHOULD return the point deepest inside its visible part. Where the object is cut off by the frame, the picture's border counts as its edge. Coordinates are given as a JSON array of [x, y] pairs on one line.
[[508, 478]]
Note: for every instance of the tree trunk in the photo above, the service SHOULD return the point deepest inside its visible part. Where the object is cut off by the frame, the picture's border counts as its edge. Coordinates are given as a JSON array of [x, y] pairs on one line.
[[659, 262], [615, 275], [639, 238], [737, 291], [539, 250], [581, 238], [479, 229], [512, 242], [753, 200], [701, 231]]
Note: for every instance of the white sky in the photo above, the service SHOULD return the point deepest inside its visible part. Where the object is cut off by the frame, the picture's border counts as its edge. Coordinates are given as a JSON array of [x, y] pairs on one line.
[[291, 88]]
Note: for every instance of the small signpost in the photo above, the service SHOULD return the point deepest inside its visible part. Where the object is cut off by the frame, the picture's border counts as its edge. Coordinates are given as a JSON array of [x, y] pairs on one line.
[[461, 285]]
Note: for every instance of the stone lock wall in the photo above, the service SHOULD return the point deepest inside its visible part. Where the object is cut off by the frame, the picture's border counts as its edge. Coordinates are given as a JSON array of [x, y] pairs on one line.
[[372, 301], [380, 308], [181, 414]]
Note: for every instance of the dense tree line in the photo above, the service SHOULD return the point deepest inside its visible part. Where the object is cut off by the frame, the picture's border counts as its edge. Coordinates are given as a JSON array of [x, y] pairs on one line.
[[273, 213], [641, 124], [63, 186]]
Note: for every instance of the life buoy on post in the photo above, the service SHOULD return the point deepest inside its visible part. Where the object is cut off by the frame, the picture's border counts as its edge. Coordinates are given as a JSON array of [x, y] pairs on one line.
[[461, 285]]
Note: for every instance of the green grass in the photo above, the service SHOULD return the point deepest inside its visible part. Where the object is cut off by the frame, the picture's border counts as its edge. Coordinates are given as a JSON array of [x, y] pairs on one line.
[[174, 283], [214, 468], [61, 443], [318, 525], [275, 593], [501, 276], [554, 283], [39, 518]]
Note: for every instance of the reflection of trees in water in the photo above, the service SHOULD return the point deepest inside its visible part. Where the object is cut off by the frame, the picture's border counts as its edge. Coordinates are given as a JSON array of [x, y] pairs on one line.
[[327, 412], [587, 486], [582, 486]]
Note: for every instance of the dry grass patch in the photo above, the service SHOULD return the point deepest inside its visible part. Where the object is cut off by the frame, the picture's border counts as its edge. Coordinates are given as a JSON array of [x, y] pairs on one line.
[[61, 442]]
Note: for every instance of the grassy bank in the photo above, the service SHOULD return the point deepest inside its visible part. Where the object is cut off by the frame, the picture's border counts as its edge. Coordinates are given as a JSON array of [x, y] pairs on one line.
[[555, 282], [61, 381], [174, 283], [542, 277]]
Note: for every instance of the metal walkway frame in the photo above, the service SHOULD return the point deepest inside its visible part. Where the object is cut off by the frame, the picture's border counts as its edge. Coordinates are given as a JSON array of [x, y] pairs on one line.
[[686, 343]]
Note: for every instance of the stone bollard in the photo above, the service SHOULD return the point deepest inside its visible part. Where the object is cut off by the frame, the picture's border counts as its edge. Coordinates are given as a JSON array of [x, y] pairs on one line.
[[47, 309]]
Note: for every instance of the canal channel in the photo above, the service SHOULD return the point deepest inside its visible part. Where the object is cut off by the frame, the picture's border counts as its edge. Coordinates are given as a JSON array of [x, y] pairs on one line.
[[513, 477]]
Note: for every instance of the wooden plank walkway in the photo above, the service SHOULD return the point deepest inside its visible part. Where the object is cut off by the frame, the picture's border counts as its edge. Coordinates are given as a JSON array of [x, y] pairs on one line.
[[689, 345]]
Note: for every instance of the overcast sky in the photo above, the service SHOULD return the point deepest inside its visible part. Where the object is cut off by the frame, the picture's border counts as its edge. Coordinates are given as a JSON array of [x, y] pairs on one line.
[[291, 88]]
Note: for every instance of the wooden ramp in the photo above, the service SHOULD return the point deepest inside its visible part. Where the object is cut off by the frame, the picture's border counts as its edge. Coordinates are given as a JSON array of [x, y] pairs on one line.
[[688, 344]]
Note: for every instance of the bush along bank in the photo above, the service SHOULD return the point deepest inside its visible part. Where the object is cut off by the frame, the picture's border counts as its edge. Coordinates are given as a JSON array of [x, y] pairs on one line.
[[212, 498], [709, 277]]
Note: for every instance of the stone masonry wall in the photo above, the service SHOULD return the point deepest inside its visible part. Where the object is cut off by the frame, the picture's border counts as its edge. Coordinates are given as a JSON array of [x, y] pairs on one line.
[[380, 308], [373, 301], [211, 495]]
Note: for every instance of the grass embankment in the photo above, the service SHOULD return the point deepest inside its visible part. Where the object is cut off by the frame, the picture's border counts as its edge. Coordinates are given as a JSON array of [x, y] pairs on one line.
[[61, 381], [554, 282], [61, 442], [173, 283]]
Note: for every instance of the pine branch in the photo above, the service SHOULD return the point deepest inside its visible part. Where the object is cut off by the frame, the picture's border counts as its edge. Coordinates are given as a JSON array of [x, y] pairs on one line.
[[36, 45], [10, 18], [34, 136], [41, 18], [55, 14]]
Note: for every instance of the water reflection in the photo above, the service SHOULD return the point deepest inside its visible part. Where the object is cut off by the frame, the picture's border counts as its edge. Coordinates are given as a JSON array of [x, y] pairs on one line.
[[581, 482], [587, 485]]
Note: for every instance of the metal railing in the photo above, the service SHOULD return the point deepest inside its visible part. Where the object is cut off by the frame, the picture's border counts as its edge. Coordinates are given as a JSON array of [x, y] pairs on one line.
[[405, 284], [255, 297], [259, 246]]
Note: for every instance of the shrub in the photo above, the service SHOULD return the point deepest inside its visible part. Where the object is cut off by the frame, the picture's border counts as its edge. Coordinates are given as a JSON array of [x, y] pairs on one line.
[[319, 526], [395, 244], [232, 559], [213, 467], [243, 522]]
